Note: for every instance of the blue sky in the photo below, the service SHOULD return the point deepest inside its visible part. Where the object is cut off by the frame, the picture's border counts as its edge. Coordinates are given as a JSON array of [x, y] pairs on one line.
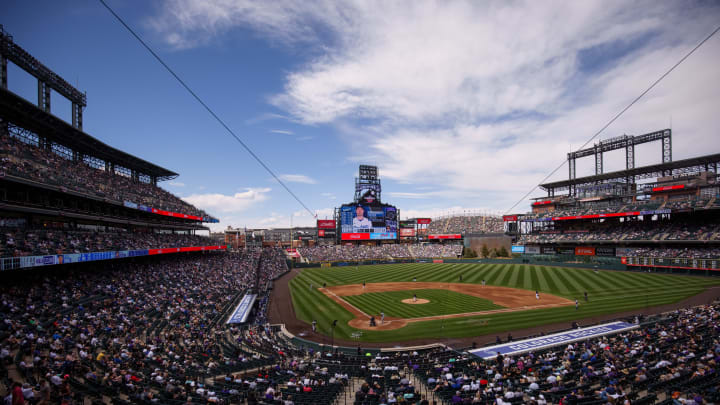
[[462, 105]]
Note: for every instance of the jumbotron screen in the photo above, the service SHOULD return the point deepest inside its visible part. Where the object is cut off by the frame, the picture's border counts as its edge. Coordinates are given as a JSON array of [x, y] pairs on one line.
[[368, 222]]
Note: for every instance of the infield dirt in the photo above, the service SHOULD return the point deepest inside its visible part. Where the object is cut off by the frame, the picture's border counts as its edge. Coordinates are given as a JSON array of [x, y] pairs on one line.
[[512, 299]]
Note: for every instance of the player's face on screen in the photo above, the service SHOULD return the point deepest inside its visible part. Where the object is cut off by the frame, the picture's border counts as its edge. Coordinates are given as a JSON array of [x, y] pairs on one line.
[[359, 212]]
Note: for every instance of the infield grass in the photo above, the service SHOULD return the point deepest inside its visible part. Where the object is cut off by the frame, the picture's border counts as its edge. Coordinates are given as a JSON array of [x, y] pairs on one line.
[[442, 302], [609, 292]]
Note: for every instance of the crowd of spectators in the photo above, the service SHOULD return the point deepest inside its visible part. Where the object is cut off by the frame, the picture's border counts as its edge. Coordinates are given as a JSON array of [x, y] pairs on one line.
[[466, 224], [154, 332], [381, 252], [629, 231], [20, 241], [677, 356], [142, 330], [675, 204], [21, 159], [686, 253]]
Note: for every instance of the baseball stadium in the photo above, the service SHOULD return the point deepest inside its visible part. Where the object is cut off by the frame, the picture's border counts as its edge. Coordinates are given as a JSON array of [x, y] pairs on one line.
[[598, 288]]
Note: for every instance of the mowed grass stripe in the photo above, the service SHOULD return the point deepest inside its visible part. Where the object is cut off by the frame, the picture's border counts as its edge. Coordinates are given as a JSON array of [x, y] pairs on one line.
[[578, 278], [542, 283], [495, 273], [442, 302], [609, 291], [556, 284], [515, 277]]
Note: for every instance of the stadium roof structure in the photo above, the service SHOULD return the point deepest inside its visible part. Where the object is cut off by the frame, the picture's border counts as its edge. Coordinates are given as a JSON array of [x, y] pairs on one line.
[[25, 114], [38, 120], [685, 166]]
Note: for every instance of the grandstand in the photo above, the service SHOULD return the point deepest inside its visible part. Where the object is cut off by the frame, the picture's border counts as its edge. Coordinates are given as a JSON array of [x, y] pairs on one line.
[[67, 197], [662, 216]]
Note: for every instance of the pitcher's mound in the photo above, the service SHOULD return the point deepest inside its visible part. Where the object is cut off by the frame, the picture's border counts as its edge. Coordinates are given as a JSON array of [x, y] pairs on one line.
[[418, 301]]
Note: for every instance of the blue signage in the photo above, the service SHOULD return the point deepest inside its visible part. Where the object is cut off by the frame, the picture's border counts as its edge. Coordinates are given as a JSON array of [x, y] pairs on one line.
[[242, 311], [556, 339], [518, 249]]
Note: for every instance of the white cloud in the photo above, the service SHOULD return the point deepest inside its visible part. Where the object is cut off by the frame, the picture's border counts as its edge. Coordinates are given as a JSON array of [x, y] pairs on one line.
[[176, 184], [238, 202], [481, 99], [304, 138], [281, 131], [297, 178], [330, 196]]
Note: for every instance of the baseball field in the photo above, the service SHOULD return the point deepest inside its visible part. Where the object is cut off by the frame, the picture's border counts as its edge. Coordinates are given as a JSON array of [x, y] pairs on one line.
[[429, 300]]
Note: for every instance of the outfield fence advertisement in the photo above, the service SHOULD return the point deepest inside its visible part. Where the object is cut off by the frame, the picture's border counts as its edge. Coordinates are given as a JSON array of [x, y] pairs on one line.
[[556, 339], [584, 251]]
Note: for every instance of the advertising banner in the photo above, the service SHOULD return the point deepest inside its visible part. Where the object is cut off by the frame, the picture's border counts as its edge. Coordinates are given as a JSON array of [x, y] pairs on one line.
[[546, 250], [532, 250], [605, 251], [517, 249], [669, 188], [49, 260], [446, 236], [356, 236], [584, 251], [565, 251], [424, 221], [510, 218], [326, 224], [407, 224], [542, 202], [404, 232]]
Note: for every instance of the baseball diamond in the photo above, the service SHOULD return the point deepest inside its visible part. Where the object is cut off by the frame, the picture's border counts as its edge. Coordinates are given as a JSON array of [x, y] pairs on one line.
[[508, 299]]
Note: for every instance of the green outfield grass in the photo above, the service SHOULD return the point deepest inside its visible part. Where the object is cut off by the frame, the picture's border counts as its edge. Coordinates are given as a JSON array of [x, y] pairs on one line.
[[442, 302], [609, 292]]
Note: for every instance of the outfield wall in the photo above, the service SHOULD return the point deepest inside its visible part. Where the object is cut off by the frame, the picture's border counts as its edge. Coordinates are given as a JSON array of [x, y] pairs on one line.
[[540, 261]]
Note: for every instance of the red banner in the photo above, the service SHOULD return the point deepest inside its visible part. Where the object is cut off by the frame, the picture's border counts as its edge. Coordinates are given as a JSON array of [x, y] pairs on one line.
[[669, 188], [542, 202], [437, 260], [449, 236], [175, 214], [424, 221], [356, 236], [407, 232], [326, 224], [507, 218], [623, 260], [184, 249], [584, 251]]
